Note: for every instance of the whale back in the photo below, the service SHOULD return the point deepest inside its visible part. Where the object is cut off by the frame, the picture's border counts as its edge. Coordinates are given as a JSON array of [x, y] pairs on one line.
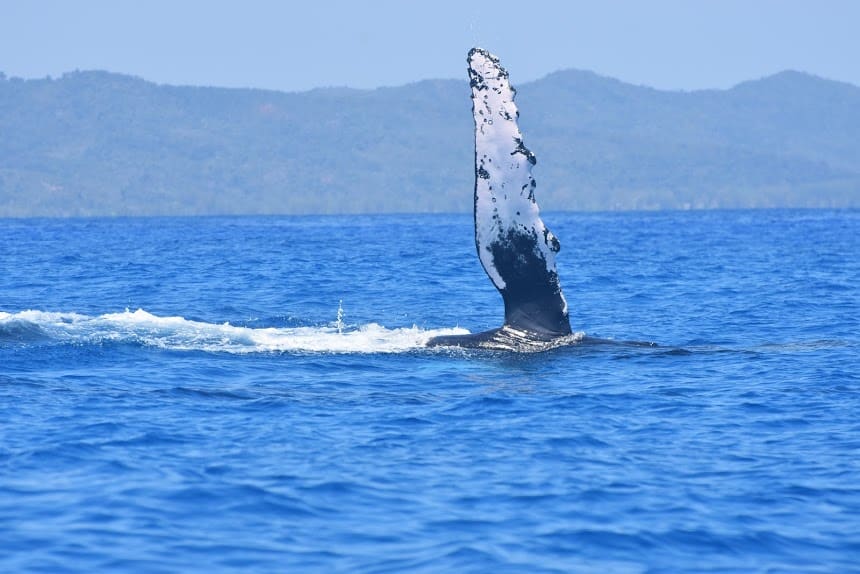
[[516, 249]]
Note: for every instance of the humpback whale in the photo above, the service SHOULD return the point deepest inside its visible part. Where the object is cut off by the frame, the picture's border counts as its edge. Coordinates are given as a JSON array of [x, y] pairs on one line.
[[515, 248]]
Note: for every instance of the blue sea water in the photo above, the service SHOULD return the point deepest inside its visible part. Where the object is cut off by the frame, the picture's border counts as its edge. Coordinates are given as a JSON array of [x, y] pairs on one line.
[[252, 394]]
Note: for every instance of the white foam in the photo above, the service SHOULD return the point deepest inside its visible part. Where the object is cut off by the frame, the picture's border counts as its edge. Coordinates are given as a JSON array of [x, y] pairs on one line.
[[178, 333]]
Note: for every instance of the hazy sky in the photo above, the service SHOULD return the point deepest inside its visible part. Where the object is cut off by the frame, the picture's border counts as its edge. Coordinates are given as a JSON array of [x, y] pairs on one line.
[[300, 45]]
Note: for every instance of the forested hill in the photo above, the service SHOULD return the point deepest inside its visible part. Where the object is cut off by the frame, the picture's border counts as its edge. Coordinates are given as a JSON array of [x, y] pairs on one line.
[[98, 143]]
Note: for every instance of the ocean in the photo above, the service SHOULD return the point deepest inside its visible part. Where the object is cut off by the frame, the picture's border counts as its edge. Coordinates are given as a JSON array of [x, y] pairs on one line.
[[252, 394]]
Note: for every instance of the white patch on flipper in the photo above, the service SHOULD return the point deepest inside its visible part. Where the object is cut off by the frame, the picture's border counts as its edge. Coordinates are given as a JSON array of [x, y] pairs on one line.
[[504, 186]]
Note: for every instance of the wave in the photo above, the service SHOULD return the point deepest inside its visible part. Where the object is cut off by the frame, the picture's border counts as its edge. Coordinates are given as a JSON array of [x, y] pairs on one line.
[[177, 333]]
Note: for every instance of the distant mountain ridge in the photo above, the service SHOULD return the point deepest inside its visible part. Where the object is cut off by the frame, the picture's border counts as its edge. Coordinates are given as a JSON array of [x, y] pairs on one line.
[[99, 143]]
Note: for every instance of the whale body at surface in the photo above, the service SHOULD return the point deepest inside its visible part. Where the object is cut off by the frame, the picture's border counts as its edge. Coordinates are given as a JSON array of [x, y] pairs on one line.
[[514, 246]]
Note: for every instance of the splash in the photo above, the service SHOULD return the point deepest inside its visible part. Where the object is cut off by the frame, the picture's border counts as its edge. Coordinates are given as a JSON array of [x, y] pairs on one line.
[[180, 334], [340, 315]]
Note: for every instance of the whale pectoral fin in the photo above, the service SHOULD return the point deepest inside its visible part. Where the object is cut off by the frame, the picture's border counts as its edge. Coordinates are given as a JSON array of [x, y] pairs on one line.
[[516, 249]]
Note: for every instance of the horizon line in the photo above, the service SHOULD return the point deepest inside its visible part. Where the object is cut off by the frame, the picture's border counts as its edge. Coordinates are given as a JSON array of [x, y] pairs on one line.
[[49, 77]]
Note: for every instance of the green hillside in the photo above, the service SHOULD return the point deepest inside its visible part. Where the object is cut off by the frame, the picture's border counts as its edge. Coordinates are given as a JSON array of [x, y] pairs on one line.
[[97, 143]]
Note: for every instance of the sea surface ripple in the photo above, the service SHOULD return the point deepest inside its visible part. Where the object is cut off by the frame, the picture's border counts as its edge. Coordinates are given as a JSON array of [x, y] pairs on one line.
[[253, 394]]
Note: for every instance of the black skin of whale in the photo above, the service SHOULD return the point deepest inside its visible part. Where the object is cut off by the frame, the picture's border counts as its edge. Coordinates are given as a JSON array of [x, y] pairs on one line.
[[535, 310], [533, 306]]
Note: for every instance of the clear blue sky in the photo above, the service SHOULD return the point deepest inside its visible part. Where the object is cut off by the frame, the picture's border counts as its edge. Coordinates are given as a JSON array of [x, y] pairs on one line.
[[292, 46]]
